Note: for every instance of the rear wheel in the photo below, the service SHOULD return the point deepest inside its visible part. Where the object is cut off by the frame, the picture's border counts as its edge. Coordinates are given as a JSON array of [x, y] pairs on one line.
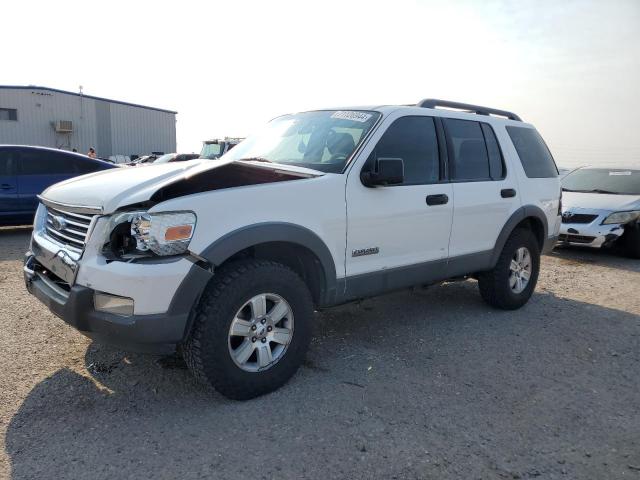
[[512, 281], [252, 329]]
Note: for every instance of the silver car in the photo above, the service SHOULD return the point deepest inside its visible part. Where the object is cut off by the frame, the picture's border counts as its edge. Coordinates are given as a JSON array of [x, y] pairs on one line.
[[601, 207]]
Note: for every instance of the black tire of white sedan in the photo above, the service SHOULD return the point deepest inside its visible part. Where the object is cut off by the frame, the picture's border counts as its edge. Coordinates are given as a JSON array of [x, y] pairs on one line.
[[512, 281], [251, 329], [631, 240]]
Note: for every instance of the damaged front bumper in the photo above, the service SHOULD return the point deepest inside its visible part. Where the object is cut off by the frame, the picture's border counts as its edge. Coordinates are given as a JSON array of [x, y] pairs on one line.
[[584, 228], [55, 276]]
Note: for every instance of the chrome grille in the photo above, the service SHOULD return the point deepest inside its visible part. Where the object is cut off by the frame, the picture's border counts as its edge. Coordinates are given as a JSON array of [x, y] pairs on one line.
[[68, 228]]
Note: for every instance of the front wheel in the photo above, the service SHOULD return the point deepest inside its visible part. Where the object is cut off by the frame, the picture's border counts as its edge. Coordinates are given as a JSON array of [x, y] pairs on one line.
[[631, 241], [512, 281], [252, 329]]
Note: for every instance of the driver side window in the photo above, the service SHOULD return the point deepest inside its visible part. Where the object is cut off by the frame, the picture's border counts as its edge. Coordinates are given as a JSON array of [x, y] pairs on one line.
[[414, 140]]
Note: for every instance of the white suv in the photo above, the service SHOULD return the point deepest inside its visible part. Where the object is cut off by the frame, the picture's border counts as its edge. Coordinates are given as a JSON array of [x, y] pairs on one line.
[[228, 260]]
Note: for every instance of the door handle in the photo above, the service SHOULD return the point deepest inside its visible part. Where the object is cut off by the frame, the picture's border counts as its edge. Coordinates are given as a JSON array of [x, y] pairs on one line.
[[439, 199], [5, 186], [508, 192]]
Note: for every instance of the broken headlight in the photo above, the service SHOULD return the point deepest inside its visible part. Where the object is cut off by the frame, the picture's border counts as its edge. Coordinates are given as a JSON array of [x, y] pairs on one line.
[[140, 234], [622, 217]]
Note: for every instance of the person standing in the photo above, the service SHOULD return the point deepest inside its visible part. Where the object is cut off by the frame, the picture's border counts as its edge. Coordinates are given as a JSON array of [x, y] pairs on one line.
[[92, 153]]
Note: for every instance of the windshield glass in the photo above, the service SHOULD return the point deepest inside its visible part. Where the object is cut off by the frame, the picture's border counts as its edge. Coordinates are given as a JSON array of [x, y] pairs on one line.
[[603, 180], [321, 140], [211, 150], [164, 158]]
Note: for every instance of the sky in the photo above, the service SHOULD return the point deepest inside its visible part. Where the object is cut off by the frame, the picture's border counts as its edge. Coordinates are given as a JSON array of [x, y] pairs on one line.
[[572, 68]]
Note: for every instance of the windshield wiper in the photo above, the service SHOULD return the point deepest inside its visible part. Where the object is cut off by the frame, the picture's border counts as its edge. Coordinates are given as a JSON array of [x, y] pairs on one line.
[[598, 190], [255, 159], [595, 190]]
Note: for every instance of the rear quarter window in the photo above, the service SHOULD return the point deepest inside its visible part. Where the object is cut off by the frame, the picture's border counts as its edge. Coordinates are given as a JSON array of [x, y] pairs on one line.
[[85, 165], [534, 155]]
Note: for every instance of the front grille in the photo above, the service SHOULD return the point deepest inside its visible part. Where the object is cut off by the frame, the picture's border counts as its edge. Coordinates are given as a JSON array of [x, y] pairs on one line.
[[579, 218], [576, 238], [68, 228]]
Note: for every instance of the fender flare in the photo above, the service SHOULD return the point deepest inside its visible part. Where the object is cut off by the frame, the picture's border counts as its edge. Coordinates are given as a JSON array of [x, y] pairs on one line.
[[233, 242], [518, 216]]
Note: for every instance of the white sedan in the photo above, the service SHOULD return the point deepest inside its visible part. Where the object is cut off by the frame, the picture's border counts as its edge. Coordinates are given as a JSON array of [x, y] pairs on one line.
[[601, 206]]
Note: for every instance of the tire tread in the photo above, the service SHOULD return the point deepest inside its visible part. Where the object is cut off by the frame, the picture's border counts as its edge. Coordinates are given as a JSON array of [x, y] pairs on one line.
[[222, 290]]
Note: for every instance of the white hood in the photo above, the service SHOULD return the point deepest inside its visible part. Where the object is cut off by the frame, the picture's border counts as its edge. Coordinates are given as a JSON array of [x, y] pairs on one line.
[[600, 201], [118, 187]]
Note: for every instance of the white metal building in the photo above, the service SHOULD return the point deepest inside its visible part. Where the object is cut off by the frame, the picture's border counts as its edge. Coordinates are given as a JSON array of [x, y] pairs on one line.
[[55, 118]]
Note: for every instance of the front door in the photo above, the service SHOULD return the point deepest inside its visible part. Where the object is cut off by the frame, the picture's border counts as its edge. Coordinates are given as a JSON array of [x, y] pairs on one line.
[[8, 185], [398, 235]]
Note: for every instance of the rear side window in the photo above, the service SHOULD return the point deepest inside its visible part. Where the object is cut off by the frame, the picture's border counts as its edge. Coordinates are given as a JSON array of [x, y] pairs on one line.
[[534, 155], [496, 163], [414, 140], [44, 162], [468, 156], [84, 165]]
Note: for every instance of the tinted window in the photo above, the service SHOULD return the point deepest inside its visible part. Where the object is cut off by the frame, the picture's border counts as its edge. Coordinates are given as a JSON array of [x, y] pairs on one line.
[[602, 180], [496, 164], [534, 155], [413, 139], [6, 162], [85, 165], [467, 150], [44, 162]]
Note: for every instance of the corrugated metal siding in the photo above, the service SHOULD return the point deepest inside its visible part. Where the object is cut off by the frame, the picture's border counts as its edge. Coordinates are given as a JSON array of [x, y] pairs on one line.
[[104, 143], [136, 130], [130, 130]]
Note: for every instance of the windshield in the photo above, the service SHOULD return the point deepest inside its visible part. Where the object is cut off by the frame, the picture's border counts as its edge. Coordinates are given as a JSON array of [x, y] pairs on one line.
[[211, 150], [603, 180], [164, 158], [321, 140]]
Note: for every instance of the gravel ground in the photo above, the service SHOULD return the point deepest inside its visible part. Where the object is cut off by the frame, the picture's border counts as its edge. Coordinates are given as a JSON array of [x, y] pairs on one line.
[[427, 384]]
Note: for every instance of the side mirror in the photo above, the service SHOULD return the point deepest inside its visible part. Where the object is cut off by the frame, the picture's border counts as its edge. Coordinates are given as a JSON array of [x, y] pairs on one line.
[[388, 171]]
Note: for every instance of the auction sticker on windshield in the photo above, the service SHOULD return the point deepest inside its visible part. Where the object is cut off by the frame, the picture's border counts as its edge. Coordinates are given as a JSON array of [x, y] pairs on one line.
[[350, 115]]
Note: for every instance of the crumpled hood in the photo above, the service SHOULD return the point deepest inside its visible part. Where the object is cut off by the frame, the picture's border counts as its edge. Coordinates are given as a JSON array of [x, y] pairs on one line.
[[600, 201], [118, 187]]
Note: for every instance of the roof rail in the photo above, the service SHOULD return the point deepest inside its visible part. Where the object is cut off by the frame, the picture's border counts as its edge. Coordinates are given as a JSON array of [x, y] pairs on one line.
[[477, 109]]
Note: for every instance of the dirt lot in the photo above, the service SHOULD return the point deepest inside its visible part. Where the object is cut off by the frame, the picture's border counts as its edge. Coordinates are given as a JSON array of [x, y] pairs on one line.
[[423, 384]]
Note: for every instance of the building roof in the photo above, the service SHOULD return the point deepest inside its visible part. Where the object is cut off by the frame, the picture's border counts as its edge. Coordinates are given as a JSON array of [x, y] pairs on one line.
[[48, 89]]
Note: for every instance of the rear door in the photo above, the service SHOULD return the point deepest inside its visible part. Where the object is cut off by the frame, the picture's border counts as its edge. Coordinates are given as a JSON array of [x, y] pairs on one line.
[[485, 193], [8, 184], [38, 169]]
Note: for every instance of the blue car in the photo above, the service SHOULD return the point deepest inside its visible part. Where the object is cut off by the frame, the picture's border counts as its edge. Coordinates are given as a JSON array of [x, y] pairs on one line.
[[26, 171]]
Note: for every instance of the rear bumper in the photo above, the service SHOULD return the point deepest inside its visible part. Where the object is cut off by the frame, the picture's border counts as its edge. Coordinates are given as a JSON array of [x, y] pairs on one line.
[[155, 333]]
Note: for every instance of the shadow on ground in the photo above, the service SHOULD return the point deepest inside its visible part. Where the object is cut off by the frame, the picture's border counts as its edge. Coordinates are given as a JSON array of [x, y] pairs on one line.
[[612, 257], [15, 242], [423, 384]]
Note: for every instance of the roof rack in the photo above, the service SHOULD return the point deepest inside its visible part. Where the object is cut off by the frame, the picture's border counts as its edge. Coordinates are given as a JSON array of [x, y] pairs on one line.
[[477, 109]]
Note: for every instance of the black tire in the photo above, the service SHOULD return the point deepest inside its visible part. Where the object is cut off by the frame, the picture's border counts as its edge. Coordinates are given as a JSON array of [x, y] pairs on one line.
[[630, 241], [494, 284], [206, 350]]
